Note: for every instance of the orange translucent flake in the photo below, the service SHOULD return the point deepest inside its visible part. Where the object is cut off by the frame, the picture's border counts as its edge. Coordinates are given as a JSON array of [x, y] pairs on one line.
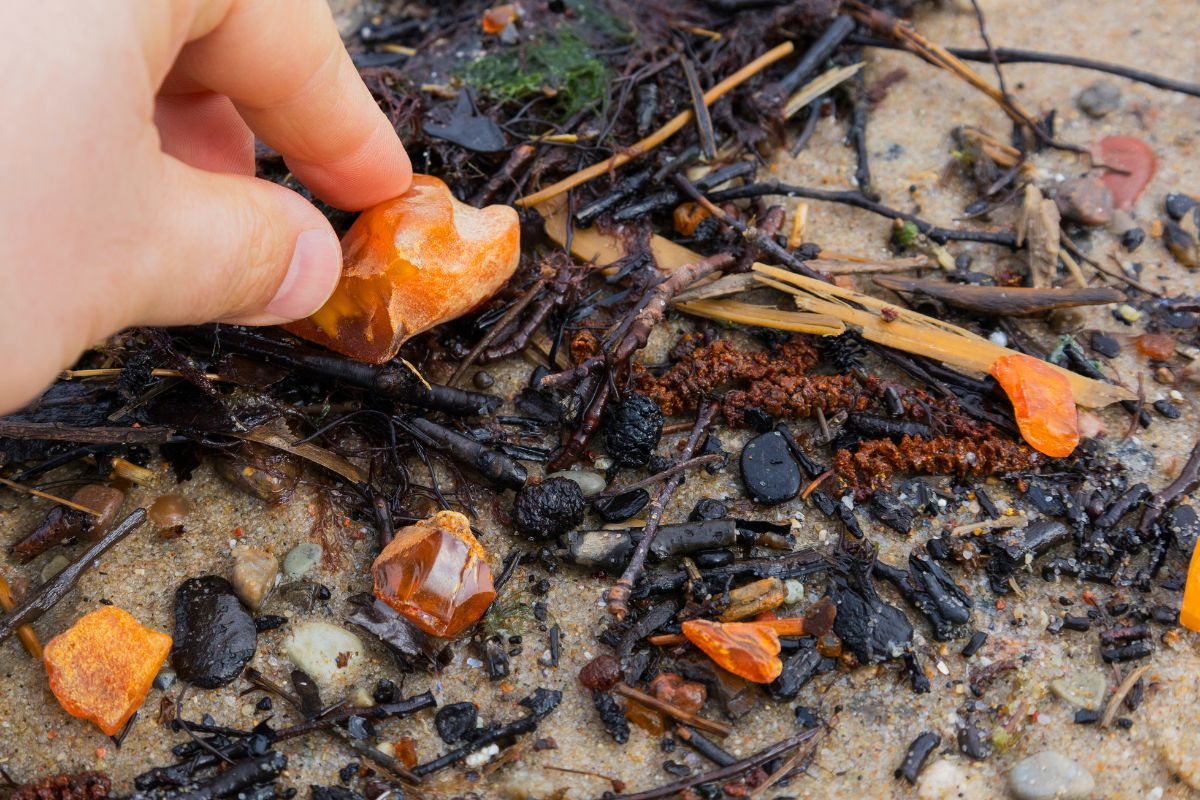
[[435, 574], [747, 649], [1136, 161], [409, 264], [101, 668], [1189, 613], [497, 18], [688, 216], [1160, 346], [1042, 402]]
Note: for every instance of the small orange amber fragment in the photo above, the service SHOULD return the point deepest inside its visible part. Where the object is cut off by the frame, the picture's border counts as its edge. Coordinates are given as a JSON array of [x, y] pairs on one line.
[[1136, 161], [1042, 402], [435, 574], [1160, 346], [1189, 613], [497, 18], [101, 668], [409, 264], [747, 649], [688, 216]]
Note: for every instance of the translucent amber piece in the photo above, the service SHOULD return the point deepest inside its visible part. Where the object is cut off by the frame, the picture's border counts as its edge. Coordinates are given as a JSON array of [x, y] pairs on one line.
[[1160, 346], [747, 649], [1189, 613], [1042, 403], [412, 263], [101, 668], [435, 574]]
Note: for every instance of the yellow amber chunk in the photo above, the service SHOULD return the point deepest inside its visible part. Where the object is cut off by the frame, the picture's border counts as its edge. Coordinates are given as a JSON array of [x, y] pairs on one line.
[[435, 574], [409, 264], [101, 668]]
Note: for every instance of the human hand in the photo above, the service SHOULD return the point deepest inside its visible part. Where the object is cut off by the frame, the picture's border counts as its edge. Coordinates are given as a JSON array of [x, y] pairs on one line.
[[128, 195]]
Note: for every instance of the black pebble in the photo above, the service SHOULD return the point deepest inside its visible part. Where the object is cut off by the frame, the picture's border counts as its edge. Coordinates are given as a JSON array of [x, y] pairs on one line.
[[264, 703], [454, 720], [548, 509], [1132, 239], [622, 506], [769, 471], [347, 773], [976, 642], [632, 430], [713, 558], [1086, 716], [708, 508], [711, 446], [677, 769], [483, 380], [269, 622], [1167, 409], [214, 635], [807, 718], [385, 692], [542, 587], [1177, 205]]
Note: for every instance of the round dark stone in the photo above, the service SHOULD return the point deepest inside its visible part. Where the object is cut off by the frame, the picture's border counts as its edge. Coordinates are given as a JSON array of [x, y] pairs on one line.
[[713, 558], [1132, 239], [708, 508], [214, 635], [769, 471], [1177, 205], [622, 506], [548, 509], [483, 380], [632, 430], [1167, 409], [385, 692], [453, 721]]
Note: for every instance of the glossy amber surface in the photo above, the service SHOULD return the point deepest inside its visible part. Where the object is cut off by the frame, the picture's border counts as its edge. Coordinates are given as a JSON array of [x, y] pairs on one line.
[[435, 574], [1160, 346], [1189, 613], [747, 649], [1042, 403], [101, 668], [409, 264]]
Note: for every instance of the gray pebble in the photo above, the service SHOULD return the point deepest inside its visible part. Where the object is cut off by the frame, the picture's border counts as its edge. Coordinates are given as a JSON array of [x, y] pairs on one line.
[[301, 559], [590, 483], [1085, 688], [1099, 99], [55, 566], [1049, 776], [1085, 200], [165, 679]]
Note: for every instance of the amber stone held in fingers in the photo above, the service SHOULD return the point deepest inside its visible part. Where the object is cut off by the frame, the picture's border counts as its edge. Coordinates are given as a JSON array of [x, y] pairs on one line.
[[435, 574], [409, 264]]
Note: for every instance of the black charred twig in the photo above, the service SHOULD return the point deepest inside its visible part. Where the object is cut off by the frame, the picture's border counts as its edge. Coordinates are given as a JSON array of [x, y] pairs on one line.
[[760, 240], [554, 297], [618, 595], [705, 746], [588, 424], [1013, 55], [391, 381], [637, 330], [1002, 300], [858, 200], [1189, 478], [858, 136], [671, 471], [704, 125], [626, 187], [515, 728], [492, 464], [725, 773], [794, 565], [400, 709], [49, 593], [500, 327], [263, 769], [54, 432], [918, 753], [518, 159], [773, 95]]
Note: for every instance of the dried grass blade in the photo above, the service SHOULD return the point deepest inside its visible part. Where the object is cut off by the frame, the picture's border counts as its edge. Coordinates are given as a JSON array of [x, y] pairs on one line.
[[817, 87], [764, 316]]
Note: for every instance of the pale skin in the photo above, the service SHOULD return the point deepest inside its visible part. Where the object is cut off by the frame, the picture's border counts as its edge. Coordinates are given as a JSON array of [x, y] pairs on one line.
[[128, 194]]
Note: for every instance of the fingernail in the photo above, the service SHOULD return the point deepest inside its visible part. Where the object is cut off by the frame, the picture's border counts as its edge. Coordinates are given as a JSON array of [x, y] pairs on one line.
[[312, 275]]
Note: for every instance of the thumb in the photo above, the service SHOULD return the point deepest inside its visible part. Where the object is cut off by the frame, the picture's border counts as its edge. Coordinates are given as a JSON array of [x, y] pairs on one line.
[[235, 249]]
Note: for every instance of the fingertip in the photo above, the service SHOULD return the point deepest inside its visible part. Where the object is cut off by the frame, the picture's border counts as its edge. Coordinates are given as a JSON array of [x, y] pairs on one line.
[[377, 170]]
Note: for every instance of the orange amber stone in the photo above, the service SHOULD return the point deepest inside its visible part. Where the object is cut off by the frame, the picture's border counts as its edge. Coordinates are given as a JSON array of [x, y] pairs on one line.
[[1159, 346], [1042, 402], [1189, 613], [497, 18], [409, 264], [435, 574], [1136, 160], [673, 689], [101, 668], [747, 649]]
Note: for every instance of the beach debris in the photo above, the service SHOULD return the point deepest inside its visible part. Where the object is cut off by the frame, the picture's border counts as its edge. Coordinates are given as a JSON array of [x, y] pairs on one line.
[[1042, 402], [214, 635]]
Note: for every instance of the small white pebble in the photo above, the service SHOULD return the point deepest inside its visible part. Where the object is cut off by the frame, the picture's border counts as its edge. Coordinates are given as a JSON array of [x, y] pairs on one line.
[[481, 757], [848, 501], [474, 663], [1177, 396], [387, 748], [942, 668], [999, 338], [1155, 793]]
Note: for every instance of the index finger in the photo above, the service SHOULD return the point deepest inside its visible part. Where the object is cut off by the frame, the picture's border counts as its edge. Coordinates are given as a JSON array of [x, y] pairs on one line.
[[283, 64]]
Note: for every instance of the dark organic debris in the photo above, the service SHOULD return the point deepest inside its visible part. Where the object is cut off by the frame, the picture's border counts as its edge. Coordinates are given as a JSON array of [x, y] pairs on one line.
[[214, 635]]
